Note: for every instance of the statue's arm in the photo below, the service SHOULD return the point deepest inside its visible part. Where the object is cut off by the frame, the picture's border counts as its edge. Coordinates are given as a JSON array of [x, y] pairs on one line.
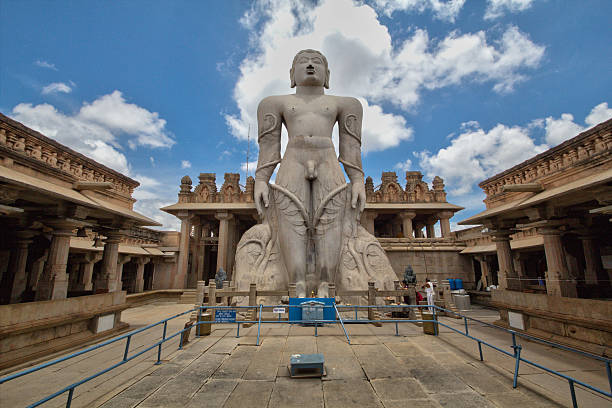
[[269, 124], [349, 126]]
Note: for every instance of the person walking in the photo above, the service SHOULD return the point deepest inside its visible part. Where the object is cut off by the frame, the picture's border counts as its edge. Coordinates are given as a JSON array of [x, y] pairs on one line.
[[429, 291]]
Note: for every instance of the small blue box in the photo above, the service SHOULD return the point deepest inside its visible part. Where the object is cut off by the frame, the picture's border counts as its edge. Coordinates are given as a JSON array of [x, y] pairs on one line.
[[306, 365], [295, 313]]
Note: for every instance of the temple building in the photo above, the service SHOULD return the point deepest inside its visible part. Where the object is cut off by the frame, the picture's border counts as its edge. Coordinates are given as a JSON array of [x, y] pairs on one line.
[[403, 218], [71, 245], [545, 240]]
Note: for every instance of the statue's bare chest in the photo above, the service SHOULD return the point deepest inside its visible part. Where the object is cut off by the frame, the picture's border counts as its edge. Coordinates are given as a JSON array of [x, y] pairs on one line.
[[297, 109]]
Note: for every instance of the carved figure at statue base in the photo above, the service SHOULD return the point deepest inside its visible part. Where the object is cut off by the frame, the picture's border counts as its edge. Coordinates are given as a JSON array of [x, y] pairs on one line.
[[310, 233]]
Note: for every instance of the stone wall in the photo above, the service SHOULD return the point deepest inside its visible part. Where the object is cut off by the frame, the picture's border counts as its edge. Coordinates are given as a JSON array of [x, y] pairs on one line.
[[581, 323]]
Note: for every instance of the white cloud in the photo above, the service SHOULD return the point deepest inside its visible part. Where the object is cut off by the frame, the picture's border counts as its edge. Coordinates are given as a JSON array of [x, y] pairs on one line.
[[599, 113], [497, 8], [252, 167], [98, 129], [367, 63], [56, 87], [562, 129], [442, 10], [185, 164], [152, 160], [45, 64], [476, 154], [404, 166]]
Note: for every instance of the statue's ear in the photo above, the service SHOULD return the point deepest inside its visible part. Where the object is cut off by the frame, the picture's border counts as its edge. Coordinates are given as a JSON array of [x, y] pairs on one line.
[[326, 85], [292, 78]]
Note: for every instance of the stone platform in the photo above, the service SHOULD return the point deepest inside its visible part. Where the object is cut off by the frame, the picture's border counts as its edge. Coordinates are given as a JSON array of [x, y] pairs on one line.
[[378, 369]]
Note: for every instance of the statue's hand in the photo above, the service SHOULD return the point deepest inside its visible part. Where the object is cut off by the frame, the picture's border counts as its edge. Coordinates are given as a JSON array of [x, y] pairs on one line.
[[261, 193], [358, 196]]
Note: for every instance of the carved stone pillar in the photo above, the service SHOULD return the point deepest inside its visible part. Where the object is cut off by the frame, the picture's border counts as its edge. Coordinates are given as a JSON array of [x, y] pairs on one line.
[[558, 282], [192, 277], [506, 276], [223, 248], [183, 257], [407, 217], [445, 217], [418, 230], [53, 284], [429, 227], [201, 251], [484, 271], [141, 262], [106, 281], [121, 260], [17, 265], [592, 260], [87, 265]]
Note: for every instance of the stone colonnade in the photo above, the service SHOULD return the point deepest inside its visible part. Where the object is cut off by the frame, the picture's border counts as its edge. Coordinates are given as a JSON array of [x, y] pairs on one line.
[[409, 224]]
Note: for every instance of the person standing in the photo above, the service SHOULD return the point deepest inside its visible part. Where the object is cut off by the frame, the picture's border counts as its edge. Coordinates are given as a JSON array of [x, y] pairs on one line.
[[429, 291]]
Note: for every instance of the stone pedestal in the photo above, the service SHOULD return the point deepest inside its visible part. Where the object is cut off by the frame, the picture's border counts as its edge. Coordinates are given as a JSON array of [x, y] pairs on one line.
[[558, 282], [53, 283]]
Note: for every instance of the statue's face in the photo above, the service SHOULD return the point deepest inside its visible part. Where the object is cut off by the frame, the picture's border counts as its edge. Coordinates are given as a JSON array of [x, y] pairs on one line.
[[310, 70]]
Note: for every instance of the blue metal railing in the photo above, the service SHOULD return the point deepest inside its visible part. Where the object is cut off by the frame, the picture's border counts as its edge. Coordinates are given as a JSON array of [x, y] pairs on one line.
[[516, 354]]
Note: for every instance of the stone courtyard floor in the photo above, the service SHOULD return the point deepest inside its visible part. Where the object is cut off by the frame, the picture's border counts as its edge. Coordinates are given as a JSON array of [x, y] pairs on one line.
[[378, 369]]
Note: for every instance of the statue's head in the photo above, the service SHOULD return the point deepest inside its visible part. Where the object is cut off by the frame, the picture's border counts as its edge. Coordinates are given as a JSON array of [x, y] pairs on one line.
[[309, 68]]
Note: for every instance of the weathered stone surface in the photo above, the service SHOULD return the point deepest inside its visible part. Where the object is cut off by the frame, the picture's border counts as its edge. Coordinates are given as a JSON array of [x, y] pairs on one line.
[[236, 364], [305, 392], [213, 394], [350, 394], [398, 389], [250, 394], [469, 399]]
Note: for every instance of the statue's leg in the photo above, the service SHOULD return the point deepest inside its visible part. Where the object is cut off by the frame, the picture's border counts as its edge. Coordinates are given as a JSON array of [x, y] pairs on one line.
[[292, 232]]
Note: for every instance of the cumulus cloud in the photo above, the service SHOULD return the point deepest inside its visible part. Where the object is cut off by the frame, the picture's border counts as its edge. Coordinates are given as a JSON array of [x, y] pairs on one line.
[[497, 8], [56, 87], [98, 128], [252, 165], [45, 64], [476, 154], [404, 166], [185, 164], [599, 113], [442, 10], [367, 63]]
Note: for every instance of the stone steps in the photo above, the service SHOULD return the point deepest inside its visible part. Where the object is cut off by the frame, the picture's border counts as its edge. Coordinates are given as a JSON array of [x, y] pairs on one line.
[[188, 296]]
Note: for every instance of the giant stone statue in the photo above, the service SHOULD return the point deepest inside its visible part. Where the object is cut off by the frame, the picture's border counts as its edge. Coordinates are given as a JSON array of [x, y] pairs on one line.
[[310, 233]]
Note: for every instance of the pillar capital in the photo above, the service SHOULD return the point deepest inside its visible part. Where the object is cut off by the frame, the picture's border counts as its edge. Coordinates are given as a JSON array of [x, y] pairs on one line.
[[141, 260], [445, 215], [501, 235], [407, 215], [123, 259], [224, 216], [549, 231]]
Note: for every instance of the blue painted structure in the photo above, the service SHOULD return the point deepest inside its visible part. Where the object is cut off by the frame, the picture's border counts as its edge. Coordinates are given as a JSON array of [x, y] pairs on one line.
[[295, 313]]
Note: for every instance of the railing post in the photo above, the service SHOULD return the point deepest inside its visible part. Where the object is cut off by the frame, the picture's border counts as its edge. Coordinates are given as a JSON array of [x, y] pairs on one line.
[[212, 293], [127, 348], [224, 298], [198, 321], [159, 349], [69, 400], [253, 298], [466, 326], [371, 300], [238, 331], [435, 321], [342, 323], [609, 375], [259, 324], [356, 315], [396, 329], [480, 350], [517, 353], [573, 392]]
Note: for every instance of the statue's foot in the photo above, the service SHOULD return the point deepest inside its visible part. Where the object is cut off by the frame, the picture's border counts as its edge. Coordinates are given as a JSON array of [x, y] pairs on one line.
[[300, 289], [323, 290]]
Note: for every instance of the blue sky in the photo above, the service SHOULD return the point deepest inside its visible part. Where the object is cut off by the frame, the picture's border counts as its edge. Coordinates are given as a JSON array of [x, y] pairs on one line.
[[158, 89]]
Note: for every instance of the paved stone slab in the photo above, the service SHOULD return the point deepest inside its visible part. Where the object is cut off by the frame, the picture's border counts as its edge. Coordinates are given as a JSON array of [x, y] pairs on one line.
[[265, 362], [405, 348], [349, 394], [340, 361], [176, 393], [250, 394], [144, 387], [294, 392], [513, 400], [398, 389], [439, 380], [213, 394], [236, 364], [224, 346], [203, 367], [378, 362], [120, 402], [463, 400], [480, 380], [417, 403]]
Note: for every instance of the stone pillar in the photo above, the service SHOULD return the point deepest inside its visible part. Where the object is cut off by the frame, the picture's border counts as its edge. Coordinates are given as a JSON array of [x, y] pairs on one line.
[[121, 260], [367, 220], [407, 217], [192, 277], [141, 262], [418, 231], [183, 257], [484, 270], [224, 236], [506, 276], [53, 284], [429, 227], [17, 267], [558, 281], [592, 260], [106, 281], [201, 250], [445, 217], [87, 264]]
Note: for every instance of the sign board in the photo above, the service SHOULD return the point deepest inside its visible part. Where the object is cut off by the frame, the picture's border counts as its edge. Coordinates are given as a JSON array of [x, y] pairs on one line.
[[516, 320], [225, 316], [279, 310]]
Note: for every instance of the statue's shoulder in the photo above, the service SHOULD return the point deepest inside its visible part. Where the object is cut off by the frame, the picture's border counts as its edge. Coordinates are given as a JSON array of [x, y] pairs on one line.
[[348, 103], [274, 102]]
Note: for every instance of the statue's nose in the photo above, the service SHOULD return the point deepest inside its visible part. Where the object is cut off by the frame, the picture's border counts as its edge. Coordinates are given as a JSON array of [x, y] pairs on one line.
[[309, 66]]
